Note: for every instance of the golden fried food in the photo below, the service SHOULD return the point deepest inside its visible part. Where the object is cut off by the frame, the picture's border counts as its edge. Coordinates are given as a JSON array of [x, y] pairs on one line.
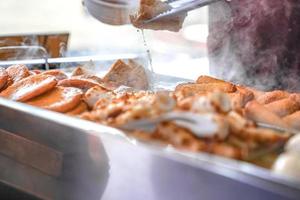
[[208, 79], [283, 107], [259, 113], [293, 120], [272, 96], [3, 78], [93, 95], [17, 72], [29, 87], [58, 74], [79, 71], [59, 99], [80, 83], [90, 77], [80, 108], [191, 89], [235, 108], [263, 135], [149, 9], [131, 75], [257, 93], [36, 71]]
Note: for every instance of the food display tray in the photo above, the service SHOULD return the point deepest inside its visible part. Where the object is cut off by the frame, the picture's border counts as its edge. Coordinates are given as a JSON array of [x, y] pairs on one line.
[[100, 162]]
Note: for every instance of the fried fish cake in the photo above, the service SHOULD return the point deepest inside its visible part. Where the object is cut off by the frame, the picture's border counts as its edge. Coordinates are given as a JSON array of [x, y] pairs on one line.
[[58, 74], [29, 87], [131, 75], [272, 96], [59, 99], [191, 89], [80, 70], [80, 83], [93, 95], [3, 78], [208, 79], [293, 120], [258, 113], [80, 108], [17, 72], [283, 107], [151, 8]]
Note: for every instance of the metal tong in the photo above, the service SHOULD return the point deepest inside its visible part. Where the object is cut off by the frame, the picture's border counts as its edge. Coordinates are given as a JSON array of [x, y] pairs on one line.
[[198, 123], [181, 6]]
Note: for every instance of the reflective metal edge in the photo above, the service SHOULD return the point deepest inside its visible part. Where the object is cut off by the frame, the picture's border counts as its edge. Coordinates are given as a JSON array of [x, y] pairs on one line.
[[102, 57], [236, 170]]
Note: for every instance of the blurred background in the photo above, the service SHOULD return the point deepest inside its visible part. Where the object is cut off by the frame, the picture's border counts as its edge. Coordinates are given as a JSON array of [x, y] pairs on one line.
[[180, 54]]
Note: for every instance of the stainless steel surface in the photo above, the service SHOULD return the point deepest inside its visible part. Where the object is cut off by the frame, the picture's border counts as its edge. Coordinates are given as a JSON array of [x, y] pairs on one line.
[[108, 57], [84, 171], [40, 157], [115, 167], [181, 6]]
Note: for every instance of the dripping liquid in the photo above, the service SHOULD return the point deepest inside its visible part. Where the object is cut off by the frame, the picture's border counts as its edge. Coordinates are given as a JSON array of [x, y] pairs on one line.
[[147, 49]]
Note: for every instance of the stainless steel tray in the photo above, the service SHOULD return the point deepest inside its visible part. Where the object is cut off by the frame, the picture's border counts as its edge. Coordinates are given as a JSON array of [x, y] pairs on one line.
[[101, 162], [115, 167]]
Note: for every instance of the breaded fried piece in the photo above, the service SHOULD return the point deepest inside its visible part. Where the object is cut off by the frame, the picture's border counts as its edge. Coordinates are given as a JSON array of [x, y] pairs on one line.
[[80, 70], [91, 77], [226, 150], [29, 87], [275, 95], [17, 72], [241, 97], [190, 89], [283, 107], [80, 83], [131, 75], [263, 135], [247, 94], [3, 78], [258, 113], [36, 71], [149, 9], [58, 74], [293, 120], [238, 100], [93, 95], [209, 79], [184, 139], [59, 99], [256, 93], [80, 108], [179, 137]]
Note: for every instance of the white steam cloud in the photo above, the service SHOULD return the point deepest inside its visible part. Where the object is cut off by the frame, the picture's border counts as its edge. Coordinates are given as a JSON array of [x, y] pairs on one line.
[[256, 42]]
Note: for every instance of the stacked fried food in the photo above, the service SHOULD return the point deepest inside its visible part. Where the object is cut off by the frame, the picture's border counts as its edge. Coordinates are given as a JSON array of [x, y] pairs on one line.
[[237, 137], [54, 90], [279, 108], [235, 109]]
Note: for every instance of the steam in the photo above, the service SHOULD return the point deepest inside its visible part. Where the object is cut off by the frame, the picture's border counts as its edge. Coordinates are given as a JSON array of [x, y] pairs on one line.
[[256, 43], [27, 49]]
